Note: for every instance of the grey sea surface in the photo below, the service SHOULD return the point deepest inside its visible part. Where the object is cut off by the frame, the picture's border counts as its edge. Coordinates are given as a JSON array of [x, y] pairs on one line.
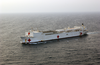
[[83, 50]]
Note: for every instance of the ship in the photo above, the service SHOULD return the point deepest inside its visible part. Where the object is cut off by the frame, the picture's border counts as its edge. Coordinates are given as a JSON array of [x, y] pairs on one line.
[[36, 36]]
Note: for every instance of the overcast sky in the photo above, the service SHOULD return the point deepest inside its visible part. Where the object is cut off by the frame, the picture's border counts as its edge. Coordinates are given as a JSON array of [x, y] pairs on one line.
[[45, 6]]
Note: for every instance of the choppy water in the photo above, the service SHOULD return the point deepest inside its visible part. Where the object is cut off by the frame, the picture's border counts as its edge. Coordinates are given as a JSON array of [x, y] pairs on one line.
[[71, 51]]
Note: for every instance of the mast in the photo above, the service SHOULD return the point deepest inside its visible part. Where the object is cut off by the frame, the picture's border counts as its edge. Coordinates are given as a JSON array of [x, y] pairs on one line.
[[82, 24]]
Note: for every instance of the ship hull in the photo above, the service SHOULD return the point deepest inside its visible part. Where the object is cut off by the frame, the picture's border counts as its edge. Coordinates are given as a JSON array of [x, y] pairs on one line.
[[44, 37]]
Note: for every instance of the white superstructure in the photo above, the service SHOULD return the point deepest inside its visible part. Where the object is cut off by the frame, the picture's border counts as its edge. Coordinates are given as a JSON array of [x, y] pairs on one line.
[[33, 37]]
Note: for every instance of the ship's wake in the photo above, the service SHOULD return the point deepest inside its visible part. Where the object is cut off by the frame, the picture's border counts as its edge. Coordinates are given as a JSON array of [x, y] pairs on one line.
[[95, 32]]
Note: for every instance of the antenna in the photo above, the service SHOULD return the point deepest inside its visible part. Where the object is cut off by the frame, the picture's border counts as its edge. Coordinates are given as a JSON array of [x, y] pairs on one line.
[[82, 24]]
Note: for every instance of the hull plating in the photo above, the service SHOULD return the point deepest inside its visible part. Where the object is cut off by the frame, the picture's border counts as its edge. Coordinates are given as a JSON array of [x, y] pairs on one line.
[[44, 37]]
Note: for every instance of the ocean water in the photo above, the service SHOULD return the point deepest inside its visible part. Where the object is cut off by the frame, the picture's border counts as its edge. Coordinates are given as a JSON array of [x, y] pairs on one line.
[[83, 50]]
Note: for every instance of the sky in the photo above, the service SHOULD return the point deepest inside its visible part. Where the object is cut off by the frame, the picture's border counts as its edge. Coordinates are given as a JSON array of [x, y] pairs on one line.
[[48, 6]]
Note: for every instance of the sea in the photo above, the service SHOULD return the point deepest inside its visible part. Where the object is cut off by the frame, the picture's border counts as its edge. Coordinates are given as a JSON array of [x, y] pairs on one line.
[[84, 50]]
